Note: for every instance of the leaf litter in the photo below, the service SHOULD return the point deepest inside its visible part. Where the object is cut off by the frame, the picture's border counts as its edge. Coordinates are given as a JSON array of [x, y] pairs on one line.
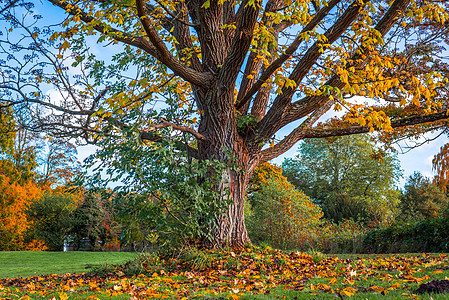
[[239, 273]]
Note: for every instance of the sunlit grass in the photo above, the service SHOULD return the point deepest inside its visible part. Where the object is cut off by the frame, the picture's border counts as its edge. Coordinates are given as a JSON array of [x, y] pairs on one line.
[[30, 263]]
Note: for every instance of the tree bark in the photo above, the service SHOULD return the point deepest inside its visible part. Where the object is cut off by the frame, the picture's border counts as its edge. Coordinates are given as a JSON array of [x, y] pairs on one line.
[[222, 142], [230, 228]]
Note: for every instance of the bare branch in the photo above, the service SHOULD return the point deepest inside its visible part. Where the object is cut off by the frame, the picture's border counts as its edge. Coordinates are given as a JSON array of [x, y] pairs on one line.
[[296, 135], [10, 4], [176, 127]]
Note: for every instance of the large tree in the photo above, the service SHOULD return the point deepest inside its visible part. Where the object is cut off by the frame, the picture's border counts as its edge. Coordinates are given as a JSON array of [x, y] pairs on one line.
[[241, 70]]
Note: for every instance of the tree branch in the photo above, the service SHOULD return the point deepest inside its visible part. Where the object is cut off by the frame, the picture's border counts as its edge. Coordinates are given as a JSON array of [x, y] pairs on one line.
[[254, 61], [180, 31], [278, 109], [175, 17], [11, 3], [321, 133], [164, 55], [154, 137], [190, 75], [164, 123], [287, 54], [306, 105], [297, 134], [151, 136], [240, 44]]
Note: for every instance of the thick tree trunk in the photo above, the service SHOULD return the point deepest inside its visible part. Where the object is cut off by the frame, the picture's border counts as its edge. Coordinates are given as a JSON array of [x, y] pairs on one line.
[[223, 142], [230, 227]]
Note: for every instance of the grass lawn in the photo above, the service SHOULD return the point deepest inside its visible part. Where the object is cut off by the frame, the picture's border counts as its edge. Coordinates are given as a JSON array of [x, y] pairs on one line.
[[31, 263], [254, 273]]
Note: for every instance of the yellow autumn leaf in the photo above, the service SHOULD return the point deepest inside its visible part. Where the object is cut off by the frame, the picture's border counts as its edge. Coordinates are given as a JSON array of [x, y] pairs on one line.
[[64, 45], [206, 4], [346, 293], [395, 285]]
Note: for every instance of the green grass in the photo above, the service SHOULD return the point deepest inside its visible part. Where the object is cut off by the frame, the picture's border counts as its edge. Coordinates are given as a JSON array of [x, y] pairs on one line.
[[29, 263]]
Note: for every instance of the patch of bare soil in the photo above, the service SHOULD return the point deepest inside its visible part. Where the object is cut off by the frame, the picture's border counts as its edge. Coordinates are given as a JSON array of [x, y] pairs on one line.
[[435, 286]]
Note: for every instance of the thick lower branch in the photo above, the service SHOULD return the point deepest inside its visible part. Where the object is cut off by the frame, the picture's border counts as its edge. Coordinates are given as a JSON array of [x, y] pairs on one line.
[[164, 55], [297, 134], [321, 133]]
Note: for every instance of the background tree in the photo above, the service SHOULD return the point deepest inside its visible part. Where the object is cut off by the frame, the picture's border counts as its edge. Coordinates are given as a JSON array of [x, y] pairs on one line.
[[422, 199], [18, 188], [347, 177], [91, 222], [7, 131], [51, 216], [237, 78], [14, 223], [18, 158], [59, 163]]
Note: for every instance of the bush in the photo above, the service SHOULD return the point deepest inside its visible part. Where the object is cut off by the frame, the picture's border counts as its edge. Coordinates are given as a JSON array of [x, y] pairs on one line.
[[431, 235], [343, 237]]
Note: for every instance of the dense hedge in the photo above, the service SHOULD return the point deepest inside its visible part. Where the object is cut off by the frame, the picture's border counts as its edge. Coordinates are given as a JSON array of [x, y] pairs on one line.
[[431, 235]]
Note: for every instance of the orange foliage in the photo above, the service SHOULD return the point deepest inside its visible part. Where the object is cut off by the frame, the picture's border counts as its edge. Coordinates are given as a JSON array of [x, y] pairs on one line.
[[441, 165], [267, 172], [14, 199], [264, 173], [283, 215]]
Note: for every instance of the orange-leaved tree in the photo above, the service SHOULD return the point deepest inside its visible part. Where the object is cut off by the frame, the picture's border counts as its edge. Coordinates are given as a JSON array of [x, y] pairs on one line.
[[14, 223], [240, 71], [280, 215]]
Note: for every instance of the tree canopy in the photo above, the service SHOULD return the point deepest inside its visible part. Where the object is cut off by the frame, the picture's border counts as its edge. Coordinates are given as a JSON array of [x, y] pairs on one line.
[[349, 177], [422, 199], [226, 76]]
